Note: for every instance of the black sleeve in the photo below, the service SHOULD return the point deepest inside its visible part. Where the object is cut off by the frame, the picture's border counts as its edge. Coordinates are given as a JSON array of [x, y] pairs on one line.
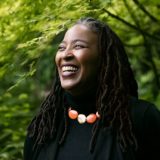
[[146, 124], [28, 149], [151, 132]]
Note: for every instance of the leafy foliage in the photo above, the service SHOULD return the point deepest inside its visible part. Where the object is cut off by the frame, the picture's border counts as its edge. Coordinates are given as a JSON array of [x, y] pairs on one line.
[[29, 34]]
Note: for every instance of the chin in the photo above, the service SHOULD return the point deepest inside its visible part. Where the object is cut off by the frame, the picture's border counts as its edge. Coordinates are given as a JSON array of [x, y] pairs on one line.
[[70, 84], [68, 87], [72, 89]]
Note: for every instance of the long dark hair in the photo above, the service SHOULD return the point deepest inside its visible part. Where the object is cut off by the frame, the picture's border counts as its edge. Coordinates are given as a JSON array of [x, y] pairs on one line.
[[116, 84]]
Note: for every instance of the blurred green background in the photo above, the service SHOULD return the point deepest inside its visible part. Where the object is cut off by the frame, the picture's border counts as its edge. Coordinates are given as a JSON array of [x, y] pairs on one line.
[[29, 34]]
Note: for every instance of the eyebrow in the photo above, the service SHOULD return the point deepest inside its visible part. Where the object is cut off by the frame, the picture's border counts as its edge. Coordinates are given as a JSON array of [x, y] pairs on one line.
[[76, 40]]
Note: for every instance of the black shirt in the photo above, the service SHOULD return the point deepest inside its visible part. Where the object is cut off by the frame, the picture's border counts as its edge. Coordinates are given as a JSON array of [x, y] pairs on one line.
[[77, 142], [146, 122]]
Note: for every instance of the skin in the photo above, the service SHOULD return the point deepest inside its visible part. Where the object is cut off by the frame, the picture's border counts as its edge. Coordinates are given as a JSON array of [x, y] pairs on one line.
[[79, 50]]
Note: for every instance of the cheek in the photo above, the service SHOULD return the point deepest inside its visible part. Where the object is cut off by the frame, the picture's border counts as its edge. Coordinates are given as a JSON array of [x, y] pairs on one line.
[[91, 67], [87, 58], [90, 61], [56, 59]]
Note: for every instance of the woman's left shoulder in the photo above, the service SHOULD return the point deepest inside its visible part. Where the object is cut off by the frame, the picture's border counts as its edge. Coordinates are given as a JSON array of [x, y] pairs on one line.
[[146, 124], [144, 109], [145, 116]]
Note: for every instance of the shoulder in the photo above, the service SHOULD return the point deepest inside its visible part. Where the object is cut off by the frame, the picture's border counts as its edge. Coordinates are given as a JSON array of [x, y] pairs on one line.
[[28, 148], [146, 122], [29, 152], [144, 110]]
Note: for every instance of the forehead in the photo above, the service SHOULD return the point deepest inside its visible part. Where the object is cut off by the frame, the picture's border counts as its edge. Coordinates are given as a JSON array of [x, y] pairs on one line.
[[80, 31]]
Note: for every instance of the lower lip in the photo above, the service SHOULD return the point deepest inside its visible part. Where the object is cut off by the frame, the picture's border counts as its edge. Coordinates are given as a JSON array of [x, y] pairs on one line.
[[68, 74]]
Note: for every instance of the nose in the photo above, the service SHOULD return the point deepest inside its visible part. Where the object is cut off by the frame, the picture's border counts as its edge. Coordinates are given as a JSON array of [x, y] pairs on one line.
[[68, 54]]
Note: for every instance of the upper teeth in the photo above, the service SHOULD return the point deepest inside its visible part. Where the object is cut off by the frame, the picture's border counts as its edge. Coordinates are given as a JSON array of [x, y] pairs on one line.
[[69, 68]]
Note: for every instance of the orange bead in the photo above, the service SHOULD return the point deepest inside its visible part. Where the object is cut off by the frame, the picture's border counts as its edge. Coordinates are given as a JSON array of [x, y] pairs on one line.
[[91, 118], [72, 114]]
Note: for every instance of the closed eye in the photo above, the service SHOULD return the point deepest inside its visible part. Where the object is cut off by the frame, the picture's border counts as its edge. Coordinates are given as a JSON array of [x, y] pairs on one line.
[[78, 46], [61, 48]]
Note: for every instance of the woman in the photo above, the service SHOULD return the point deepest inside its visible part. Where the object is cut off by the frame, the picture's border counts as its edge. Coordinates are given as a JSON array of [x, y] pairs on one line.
[[93, 111]]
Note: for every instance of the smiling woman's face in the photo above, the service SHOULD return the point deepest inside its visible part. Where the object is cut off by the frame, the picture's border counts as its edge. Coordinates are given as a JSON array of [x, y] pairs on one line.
[[77, 60]]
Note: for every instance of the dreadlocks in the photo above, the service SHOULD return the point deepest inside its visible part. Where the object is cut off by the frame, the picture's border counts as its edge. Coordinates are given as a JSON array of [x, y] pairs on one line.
[[116, 84]]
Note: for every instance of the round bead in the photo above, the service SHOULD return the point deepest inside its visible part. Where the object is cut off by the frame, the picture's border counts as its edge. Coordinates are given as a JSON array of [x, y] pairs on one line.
[[81, 118], [72, 114], [91, 118], [97, 114]]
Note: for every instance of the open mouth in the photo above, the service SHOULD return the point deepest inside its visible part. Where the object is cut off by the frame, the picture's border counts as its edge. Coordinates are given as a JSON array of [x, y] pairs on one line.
[[69, 69]]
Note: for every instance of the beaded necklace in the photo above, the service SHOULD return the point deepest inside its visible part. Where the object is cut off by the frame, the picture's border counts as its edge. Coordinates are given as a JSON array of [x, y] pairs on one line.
[[81, 118]]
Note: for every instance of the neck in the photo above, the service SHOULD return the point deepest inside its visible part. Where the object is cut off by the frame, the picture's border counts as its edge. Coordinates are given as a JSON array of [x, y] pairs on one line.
[[85, 103]]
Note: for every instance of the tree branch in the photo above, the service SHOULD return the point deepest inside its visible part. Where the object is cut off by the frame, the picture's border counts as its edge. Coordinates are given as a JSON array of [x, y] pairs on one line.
[[145, 11], [149, 56], [130, 25]]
